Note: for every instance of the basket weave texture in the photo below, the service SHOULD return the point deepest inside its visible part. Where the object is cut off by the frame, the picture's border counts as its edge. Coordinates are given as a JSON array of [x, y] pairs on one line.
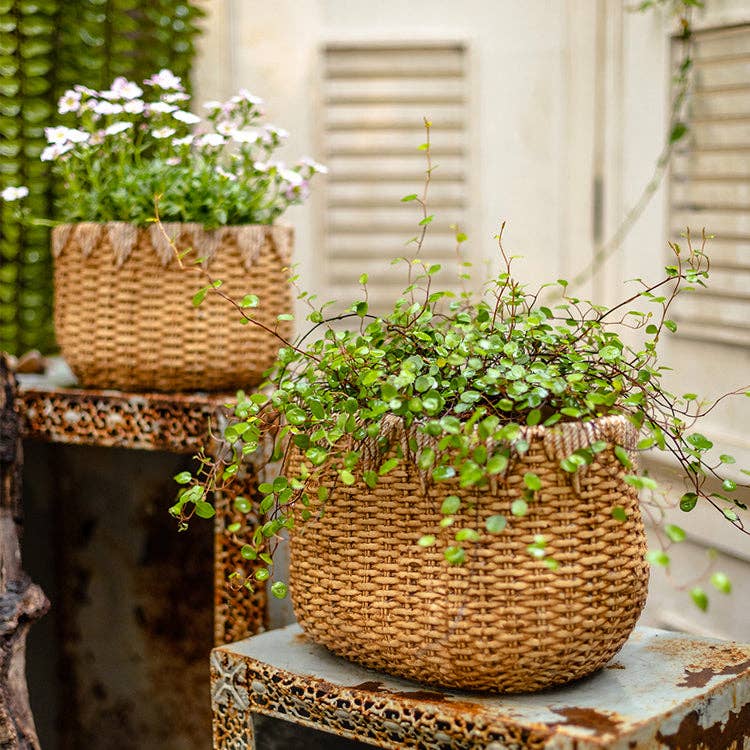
[[123, 312], [503, 621]]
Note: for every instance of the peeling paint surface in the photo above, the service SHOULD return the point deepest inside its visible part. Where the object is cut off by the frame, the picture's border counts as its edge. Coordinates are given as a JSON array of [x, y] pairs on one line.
[[643, 703]]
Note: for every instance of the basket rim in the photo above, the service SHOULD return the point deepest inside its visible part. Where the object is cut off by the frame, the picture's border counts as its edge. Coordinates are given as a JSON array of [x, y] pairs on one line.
[[192, 224], [123, 236]]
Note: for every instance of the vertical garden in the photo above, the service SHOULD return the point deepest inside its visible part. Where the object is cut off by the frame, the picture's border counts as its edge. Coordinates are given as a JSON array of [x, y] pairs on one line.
[[47, 46]]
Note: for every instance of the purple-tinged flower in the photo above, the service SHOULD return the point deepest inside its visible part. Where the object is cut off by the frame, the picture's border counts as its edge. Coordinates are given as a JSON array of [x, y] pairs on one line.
[[81, 89], [225, 127], [70, 101], [125, 89], [165, 79], [176, 97], [295, 179]]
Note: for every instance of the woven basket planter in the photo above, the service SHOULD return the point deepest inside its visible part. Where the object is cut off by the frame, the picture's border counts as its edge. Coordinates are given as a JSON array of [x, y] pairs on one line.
[[503, 621], [123, 312]]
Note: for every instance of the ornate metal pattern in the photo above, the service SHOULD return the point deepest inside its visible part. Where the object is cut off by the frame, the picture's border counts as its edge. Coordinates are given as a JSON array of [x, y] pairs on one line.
[[172, 422], [664, 691], [238, 612], [233, 728]]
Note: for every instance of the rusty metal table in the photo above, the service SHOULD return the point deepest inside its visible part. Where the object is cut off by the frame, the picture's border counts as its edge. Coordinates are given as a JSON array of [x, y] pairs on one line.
[[662, 691], [53, 411]]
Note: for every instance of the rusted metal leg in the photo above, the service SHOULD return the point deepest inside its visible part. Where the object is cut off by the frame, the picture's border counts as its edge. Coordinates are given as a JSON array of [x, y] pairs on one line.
[[238, 613], [230, 703], [21, 601]]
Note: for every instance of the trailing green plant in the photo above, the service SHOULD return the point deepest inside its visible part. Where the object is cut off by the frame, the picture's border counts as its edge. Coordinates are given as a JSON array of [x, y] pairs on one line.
[[468, 372], [45, 47]]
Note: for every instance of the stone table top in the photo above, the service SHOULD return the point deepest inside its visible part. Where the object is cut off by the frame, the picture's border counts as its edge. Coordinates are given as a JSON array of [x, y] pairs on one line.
[[663, 690]]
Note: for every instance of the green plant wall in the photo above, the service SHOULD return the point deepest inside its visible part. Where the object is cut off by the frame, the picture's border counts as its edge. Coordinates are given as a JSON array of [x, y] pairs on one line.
[[47, 46]]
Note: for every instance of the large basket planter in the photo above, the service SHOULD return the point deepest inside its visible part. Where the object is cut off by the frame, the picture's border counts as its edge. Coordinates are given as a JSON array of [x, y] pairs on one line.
[[503, 621], [123, 312]]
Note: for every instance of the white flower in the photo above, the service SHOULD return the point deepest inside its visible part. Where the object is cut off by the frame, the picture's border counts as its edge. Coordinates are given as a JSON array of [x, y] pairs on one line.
[[125, 89], [109, 95], [226, 175], [289, 175], [186, 141], [160, 107], [77, 136], [117, 127], [55, 150], [187, 117], [134, 106], [107, 108], [70, 101], [243, 95], [313, 165], [85, 90], [97, 138], [173, 161], [56, 135], [176, 97], [165, 79], [261, 166], [14, 193], [211, 139], [276, 132], [163, 132], [225, 127], [244, 136], [212, 106], [62, 134]]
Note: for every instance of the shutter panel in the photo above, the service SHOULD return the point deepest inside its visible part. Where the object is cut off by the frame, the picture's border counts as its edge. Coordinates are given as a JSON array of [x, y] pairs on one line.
[[375, 97], [710, 185]]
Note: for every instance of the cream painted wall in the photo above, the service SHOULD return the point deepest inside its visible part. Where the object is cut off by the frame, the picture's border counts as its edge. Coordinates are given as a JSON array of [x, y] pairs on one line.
[[531, 65]]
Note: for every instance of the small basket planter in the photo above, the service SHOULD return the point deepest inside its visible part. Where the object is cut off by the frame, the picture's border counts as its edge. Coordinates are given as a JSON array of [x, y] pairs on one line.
[[503, 621], [123, 311]]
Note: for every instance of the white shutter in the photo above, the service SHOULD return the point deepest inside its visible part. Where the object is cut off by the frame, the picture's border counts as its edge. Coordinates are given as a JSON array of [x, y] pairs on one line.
[[710, 184], [375, 97]]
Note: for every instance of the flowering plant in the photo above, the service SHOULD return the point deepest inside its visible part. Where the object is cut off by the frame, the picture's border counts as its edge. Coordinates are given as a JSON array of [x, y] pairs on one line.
[[128, 144]]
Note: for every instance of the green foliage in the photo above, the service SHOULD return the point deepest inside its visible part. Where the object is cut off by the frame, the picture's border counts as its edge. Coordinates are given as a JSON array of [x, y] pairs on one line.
[[45, 47], [468, 374]]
